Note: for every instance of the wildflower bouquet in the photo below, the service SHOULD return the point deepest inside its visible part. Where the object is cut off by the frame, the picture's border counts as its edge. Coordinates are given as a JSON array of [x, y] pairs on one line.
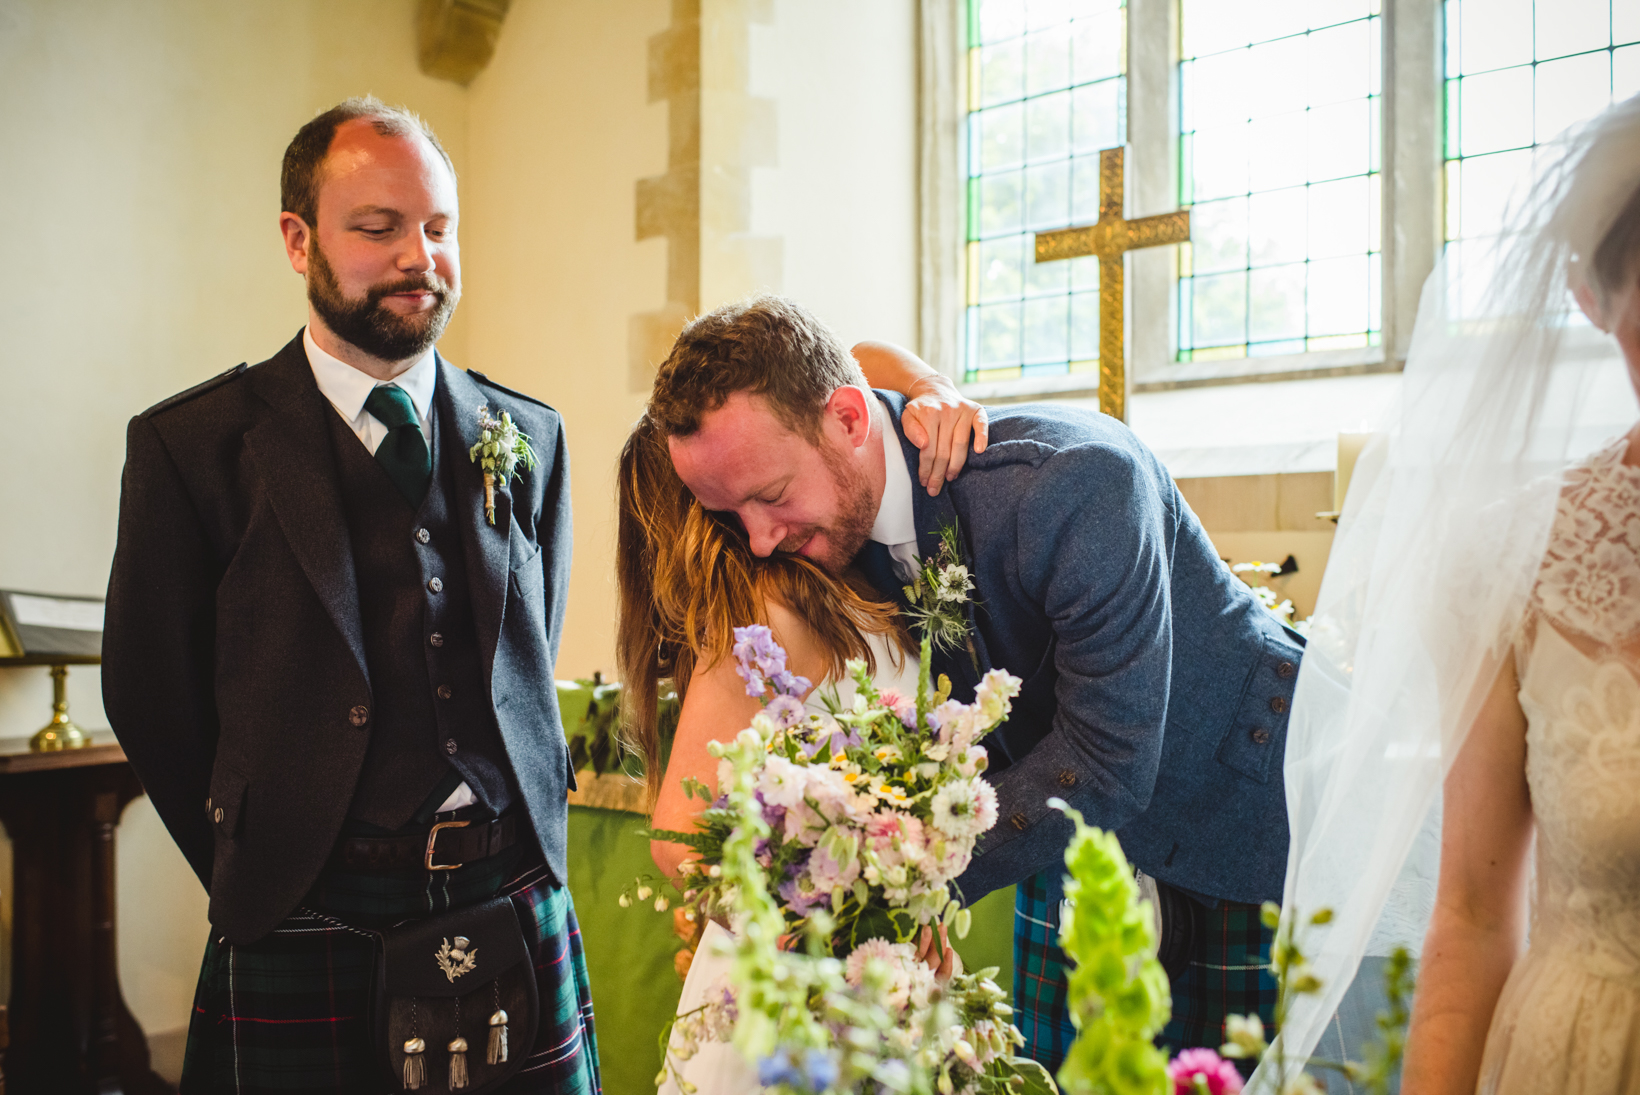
[[870, 817], [836, 838]]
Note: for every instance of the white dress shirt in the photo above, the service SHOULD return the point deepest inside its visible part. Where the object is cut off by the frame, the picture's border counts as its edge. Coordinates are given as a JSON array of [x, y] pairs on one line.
[[896, 525], [347, 388]]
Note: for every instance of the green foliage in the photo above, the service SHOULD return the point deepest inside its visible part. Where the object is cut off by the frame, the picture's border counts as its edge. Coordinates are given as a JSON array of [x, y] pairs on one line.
[[1118, 992], [1295, 978], [591, 709], [501, 446], [937, 598]]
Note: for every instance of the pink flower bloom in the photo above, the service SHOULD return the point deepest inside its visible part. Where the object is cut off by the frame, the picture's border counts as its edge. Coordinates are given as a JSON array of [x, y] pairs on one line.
[[1220, 1075]]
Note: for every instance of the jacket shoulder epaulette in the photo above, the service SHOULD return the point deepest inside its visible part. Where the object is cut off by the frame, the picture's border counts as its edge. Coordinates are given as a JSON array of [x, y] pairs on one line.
[[504, 390], [197, 390]]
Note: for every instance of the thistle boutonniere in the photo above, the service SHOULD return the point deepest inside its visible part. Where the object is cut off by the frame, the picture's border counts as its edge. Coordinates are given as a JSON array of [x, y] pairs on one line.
[[501, 447], [937, 598]]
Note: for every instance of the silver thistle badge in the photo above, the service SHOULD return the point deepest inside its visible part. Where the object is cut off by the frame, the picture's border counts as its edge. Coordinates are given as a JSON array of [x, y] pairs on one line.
[[456, 960]]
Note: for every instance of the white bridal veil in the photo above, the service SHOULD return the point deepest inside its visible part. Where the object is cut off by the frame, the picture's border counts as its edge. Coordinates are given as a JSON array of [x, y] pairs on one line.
[[1447, 519]]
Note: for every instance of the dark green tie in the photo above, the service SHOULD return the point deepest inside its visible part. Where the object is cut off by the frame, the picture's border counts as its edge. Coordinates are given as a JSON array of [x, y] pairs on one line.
[[403, 452]]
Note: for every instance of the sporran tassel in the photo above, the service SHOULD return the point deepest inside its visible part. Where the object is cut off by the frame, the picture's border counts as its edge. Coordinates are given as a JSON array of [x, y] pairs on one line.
[[415, 1065], [458, 1064], [497, 1054]]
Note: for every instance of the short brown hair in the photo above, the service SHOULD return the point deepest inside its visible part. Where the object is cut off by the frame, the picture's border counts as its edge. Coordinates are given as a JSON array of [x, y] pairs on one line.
[[768, 346], [299, 177]]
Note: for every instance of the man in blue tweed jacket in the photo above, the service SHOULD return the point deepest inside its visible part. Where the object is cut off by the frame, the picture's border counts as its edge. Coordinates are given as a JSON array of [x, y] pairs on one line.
[[1155, 690]]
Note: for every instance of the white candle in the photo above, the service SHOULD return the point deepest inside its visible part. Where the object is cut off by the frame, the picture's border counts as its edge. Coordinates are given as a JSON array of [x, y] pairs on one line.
[[1349, 447]]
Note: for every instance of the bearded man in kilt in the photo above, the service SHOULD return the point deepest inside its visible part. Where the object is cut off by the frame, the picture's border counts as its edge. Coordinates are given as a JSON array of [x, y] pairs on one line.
[[330, 639]]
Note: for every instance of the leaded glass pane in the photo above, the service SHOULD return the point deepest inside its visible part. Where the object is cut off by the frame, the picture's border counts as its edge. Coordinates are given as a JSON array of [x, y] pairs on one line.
[[1521, 73], [1049, 80], [1280, 136]]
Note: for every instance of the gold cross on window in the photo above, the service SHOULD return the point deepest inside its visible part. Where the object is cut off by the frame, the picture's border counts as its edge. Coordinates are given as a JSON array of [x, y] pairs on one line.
[[1111, 238]]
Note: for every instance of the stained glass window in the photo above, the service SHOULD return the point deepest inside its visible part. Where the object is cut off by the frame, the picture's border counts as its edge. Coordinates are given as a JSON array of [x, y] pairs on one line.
[[1519, 73], [1045, 93], [1280, 139]]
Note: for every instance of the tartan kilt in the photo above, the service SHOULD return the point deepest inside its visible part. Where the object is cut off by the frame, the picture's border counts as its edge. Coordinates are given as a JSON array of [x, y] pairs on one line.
[[1228, 975], [289, 1012]]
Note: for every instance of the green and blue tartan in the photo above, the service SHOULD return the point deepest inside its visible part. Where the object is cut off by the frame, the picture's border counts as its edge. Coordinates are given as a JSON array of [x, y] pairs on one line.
[[1228, 975], [289, 1012]]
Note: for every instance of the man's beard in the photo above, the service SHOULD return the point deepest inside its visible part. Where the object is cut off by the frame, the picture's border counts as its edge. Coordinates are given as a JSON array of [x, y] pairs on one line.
[[853, 525], [370, 325]]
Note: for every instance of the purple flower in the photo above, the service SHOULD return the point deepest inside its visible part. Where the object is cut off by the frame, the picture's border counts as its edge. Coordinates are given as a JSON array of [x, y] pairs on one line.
[[761, 663], [800, 895], [806, 1070], [834, 743]]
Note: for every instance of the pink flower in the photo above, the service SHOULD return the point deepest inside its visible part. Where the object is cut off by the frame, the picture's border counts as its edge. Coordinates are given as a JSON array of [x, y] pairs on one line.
[[1219, 1075]]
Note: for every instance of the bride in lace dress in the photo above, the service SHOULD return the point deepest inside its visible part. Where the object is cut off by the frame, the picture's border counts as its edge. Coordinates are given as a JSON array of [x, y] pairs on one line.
[[1555, 754], [1473, 673], [686, 577]]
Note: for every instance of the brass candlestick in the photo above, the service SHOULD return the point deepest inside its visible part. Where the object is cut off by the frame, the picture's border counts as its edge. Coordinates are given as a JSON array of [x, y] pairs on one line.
[[59, 733]]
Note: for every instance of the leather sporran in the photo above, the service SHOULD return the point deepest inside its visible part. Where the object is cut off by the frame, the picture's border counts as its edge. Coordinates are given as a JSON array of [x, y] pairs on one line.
[[455, 1007]]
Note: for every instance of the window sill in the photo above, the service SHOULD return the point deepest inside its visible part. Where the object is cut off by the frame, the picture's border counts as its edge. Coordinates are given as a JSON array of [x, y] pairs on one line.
[[1188, 374], [1281, 427]]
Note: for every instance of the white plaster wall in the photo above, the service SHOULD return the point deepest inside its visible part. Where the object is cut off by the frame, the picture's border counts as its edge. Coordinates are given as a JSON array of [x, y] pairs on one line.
[[561, 130], [142, 141], [843, 198]]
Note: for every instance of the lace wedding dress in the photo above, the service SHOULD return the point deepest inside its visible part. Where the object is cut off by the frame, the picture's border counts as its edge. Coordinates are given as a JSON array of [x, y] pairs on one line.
[[1568, 1019], [715, 1068]]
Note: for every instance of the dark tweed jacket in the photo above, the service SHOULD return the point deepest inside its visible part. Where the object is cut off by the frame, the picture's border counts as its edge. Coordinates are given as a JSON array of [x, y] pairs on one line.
[[233, 662]]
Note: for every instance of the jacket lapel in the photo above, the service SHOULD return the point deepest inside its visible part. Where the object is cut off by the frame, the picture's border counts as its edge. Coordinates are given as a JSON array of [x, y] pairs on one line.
[[297, 469], [933, 514], [488, 548]]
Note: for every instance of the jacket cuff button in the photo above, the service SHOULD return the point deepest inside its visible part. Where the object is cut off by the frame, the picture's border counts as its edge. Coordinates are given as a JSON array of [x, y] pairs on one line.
[[359, 715], [1020, 821], [1067, 778]]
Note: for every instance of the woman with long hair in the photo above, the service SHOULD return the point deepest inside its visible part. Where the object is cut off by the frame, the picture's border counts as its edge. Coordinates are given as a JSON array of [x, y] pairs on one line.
[[687, 578]]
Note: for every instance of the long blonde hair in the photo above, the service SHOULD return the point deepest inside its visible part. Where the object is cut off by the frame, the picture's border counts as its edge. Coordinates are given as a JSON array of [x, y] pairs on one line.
[[686, 578]]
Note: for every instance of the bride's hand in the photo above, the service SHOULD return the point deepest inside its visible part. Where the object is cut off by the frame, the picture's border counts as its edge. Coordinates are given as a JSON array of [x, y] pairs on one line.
[[945, 962], [941, 422]]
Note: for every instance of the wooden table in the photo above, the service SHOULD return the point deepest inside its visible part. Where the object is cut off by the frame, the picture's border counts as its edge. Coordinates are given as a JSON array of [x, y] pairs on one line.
[[71, 1033]]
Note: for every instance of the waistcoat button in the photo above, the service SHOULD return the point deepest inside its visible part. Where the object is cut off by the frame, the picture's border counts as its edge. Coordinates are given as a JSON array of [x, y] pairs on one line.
[[435, 585], [359, 715], [444, 692], [450, 746], [422, 536], [217, 816], [1278, 704], [1260, 736], [436, 638], [1286, 669]]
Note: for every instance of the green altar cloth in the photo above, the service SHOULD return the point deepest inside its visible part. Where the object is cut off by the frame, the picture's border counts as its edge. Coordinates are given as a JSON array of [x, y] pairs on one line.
[[629, 952]]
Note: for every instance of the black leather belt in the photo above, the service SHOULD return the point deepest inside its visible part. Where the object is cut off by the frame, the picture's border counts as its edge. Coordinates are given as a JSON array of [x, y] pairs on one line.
[[444, 847]]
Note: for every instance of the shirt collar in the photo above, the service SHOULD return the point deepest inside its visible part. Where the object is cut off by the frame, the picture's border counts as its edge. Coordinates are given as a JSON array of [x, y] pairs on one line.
[[896, 520], [347, 388]]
